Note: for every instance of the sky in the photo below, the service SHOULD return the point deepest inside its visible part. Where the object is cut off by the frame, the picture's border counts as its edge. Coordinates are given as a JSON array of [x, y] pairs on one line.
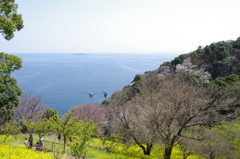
[[122, 26]]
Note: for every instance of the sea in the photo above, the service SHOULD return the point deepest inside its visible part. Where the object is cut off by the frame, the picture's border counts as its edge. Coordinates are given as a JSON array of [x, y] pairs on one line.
[[64, 80]]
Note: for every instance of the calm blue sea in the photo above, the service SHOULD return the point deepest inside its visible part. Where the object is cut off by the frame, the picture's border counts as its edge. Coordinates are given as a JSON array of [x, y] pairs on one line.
[[65, 80]]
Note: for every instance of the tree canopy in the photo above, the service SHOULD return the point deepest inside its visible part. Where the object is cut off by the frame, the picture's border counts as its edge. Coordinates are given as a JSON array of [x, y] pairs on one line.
[[165, 109], [9, 91], [219, 58], [10, 20]]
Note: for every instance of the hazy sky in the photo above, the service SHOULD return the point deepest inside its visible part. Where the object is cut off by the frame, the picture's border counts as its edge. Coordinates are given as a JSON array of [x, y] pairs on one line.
[[122, 26]]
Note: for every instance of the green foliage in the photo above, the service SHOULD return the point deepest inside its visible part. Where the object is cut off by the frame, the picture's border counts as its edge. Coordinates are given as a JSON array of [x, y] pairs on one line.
[[137, 78], [217, 51], [9, 128], [230, 131], [225, 81], [9, 139], [221, 58], [51, 113], [9, 91], [236, 44], [129, 92], [10, 21], [194, 54], [149, 72], [179, 59], [220, 81], [232, 78], [115, 139], [137, 83], [167, 63], [105, 102], [103, 138], [43, 127], [132, 90], [66, 127], [28, 125], [224, 67], [136, 87], [81, 138]]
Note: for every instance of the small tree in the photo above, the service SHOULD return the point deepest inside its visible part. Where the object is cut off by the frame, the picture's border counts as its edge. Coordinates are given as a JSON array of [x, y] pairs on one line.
[[66, 127], [43, 127], [28, 126], [81, 138], [51, 113], [9, 128], [213, 146]]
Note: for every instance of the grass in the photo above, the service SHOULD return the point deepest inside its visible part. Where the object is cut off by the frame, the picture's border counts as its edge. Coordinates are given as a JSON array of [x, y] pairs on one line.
[[53, 148]]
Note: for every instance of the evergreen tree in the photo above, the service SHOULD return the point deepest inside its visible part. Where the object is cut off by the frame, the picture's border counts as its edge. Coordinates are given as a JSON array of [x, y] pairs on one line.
[[9, 91], [10, 22]]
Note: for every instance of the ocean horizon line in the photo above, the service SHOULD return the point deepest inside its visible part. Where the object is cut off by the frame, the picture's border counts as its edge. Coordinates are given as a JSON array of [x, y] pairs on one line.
[[166, 52]]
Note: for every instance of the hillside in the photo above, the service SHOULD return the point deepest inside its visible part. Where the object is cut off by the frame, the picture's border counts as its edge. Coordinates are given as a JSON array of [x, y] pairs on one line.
[[199, 93], [218, 59]]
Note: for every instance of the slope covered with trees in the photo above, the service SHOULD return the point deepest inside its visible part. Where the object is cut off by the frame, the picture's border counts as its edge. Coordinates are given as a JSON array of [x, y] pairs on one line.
[[182, 101], [219, 59], [190, 102]]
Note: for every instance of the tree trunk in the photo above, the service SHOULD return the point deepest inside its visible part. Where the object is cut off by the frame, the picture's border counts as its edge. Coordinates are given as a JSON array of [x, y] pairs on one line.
[[168, 151], [147, 150], [211, 155], [64, 144]]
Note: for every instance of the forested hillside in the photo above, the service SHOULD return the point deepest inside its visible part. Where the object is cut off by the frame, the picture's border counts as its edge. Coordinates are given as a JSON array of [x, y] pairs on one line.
[[189, 101], [219, 59], [187, 108]]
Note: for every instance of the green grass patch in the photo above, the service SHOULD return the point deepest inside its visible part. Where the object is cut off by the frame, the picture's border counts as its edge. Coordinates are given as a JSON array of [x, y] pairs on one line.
[[95, 149]]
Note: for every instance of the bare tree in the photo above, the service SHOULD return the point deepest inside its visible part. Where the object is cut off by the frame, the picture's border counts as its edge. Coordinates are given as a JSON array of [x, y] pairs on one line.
[[166, 107], [185, 150], [31, 106], [229, 131], [120, 120], [94, 112], [213, 146]]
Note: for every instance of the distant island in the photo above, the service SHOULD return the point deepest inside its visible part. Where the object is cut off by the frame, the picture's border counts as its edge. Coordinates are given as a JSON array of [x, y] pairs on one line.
[[79, 54]]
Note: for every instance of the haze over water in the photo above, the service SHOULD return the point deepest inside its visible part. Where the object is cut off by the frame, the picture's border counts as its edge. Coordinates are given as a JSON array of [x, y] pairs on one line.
[[65, 80]]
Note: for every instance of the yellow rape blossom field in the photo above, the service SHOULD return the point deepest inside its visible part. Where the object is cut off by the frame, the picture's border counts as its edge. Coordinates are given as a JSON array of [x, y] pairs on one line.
[[15, 152], [14, 149]]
